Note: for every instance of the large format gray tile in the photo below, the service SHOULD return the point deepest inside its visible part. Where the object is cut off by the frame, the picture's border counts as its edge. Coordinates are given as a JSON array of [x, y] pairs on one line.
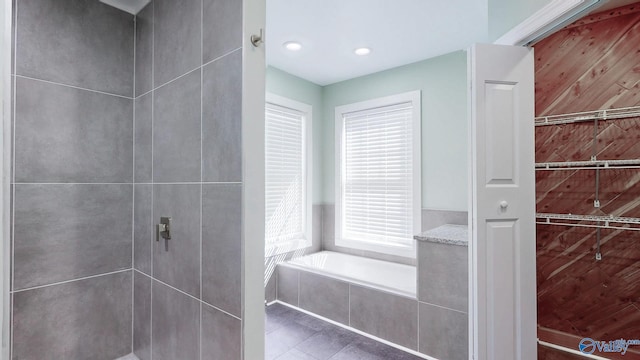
[[443, 275], [84, 319], [443, 333], [177, 261], [324, 296], [222, 119], [270, 289], [176, 325], [76, 42], [176, 38], [144, 49], [176, 130], [316, 228], [287, 285], [325, 344], [354, 352], [142, 316], [433, 218], [328, 226], [64, 232], [295, 354], [143, 139], [222, 247], [221, 335], [143, 230], [221, 27], [387, 316], [69, 135]]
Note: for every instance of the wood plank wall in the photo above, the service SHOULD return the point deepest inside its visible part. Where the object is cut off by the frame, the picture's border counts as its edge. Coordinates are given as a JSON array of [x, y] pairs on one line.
[[592, 64]]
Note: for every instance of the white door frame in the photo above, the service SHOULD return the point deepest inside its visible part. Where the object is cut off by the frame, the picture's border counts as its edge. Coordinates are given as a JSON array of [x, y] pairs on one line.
[[253, 99]]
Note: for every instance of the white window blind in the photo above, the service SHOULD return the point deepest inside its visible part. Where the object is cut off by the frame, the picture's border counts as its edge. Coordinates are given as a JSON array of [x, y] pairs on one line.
[[377, 175], [285, 175]]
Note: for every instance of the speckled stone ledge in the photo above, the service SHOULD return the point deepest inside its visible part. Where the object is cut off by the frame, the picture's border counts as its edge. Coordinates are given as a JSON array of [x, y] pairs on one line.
[[446, 234]]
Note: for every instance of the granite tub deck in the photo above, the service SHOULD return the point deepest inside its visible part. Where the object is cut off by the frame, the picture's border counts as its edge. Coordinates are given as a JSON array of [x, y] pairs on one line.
[[428, 319]]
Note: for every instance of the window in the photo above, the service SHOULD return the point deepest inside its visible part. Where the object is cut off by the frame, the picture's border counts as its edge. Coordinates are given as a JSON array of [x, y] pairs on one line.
[[287, 175], [378, 174]]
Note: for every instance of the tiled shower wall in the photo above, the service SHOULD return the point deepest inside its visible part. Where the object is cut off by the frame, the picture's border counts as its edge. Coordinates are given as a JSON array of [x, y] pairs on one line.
[[72, 180], [106, 142], [188, 73]]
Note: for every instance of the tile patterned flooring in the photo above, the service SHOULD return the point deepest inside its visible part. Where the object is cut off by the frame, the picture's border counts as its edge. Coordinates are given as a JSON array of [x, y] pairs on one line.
[[293, 335]]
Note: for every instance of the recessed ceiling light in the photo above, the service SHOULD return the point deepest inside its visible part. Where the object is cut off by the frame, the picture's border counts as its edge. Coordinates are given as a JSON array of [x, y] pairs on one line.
[[292, 46], [362, 51]]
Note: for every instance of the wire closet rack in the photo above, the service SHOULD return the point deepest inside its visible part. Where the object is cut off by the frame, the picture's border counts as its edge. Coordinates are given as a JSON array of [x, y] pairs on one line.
[[584, 220]]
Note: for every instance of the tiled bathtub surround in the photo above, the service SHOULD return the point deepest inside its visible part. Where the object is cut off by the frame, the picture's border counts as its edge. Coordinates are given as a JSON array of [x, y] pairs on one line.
[[385, 315], [271, 262], [187, 291], [73, 181], [435, 323]]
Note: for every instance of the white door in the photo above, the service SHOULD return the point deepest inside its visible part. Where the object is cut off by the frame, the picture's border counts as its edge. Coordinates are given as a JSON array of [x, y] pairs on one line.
[[502, 252]]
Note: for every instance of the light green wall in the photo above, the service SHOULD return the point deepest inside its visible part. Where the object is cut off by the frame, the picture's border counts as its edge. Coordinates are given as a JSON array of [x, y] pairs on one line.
[[443, 83], [295, 88], [504, 15]]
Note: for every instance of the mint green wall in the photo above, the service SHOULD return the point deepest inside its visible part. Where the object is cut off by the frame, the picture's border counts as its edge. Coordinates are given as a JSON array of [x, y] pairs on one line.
[[443, 82], [295, 88], [504, 15]]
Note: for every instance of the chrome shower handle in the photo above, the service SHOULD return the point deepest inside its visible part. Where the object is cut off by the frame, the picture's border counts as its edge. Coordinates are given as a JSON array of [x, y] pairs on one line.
[[164, 228]]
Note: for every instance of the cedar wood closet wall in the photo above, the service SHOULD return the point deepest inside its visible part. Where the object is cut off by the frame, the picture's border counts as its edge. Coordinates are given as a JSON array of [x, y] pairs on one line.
[[592, 64]]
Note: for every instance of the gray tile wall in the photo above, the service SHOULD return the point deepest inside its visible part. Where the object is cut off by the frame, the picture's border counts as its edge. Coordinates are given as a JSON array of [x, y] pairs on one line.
[[368, 308], [84, 319], [430, 219], [76, 42], [73, 180], [188, 166]]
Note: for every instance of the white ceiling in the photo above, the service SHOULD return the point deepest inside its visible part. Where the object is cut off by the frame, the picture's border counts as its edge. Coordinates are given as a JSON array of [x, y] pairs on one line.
[[399, 32]]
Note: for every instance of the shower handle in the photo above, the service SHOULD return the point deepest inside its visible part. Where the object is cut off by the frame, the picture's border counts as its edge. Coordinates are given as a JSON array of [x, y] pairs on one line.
[[164, 228]]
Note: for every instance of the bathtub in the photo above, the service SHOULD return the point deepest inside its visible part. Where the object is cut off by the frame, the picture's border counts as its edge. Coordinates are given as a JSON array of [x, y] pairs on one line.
[[372, 297], [386, 276]]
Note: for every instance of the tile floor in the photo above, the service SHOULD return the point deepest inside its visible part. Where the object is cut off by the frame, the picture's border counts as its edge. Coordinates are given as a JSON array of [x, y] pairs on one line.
[[293, 335]]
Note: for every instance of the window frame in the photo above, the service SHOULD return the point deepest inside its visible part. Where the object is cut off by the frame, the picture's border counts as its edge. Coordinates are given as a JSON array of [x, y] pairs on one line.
[[414, 97], [307, 110]]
